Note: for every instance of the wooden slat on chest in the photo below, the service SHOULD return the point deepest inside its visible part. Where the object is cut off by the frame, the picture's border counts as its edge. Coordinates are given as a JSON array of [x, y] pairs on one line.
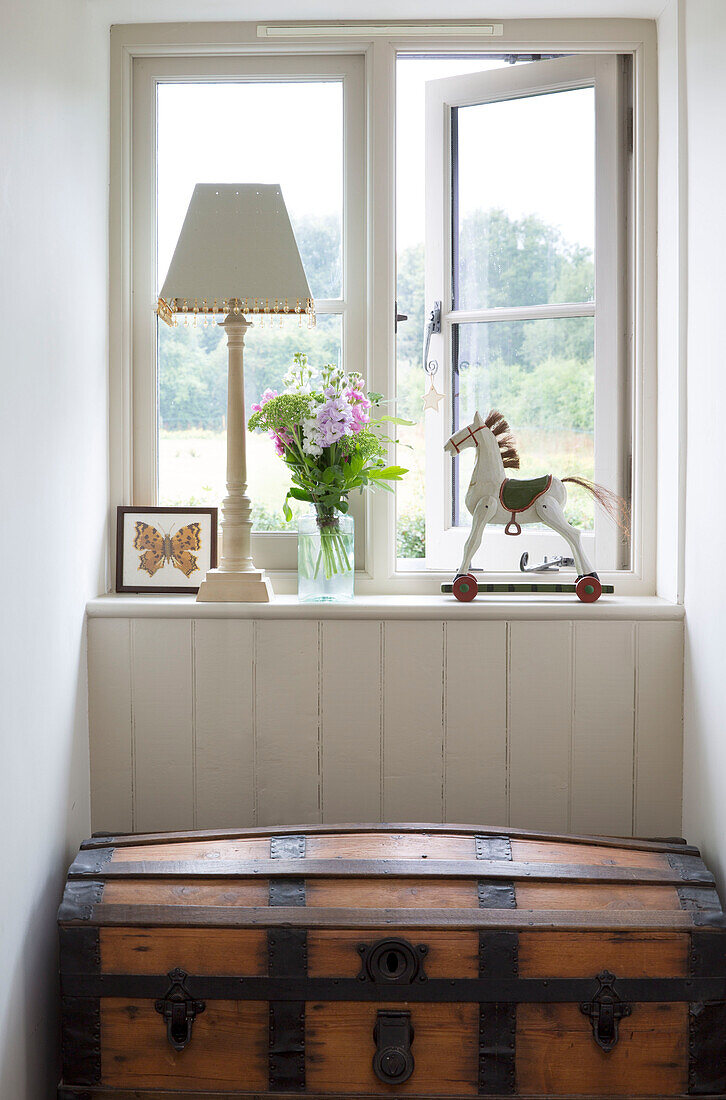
[[689, 869]]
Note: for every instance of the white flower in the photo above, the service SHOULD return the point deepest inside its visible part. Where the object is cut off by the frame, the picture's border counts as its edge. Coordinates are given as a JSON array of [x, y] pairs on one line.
[[312, 442]]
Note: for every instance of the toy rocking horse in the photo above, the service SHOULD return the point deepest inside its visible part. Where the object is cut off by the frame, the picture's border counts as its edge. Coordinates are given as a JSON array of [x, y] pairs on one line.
[[494, 498]]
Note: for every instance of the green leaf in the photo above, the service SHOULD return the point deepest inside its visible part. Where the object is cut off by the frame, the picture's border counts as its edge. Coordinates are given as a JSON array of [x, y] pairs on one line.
[[392, 473], [396, 420], [286, 509], [301, 494]]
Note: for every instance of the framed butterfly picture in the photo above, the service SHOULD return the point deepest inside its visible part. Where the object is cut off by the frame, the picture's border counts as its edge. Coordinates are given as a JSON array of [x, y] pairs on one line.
[[164, 549]]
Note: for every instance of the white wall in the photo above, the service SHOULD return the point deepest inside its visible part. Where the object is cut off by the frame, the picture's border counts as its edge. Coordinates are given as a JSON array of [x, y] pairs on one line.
[[705, 599], [53, 276]]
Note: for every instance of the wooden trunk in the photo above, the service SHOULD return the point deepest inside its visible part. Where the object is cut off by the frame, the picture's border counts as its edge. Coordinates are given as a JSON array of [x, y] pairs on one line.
[[376, 960]]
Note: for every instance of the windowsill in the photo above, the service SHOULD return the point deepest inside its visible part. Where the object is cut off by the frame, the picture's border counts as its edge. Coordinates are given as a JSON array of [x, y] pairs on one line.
[[608, 608]]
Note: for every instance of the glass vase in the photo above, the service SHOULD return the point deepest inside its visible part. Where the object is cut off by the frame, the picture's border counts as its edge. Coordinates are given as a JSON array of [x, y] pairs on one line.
[[325, 565]]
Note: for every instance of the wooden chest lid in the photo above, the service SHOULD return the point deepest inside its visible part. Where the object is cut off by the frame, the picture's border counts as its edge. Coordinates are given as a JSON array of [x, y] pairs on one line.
[[381, 875]]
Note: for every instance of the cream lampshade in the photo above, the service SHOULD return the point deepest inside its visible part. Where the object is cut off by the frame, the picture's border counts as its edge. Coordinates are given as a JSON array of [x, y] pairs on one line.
[[236, 255]]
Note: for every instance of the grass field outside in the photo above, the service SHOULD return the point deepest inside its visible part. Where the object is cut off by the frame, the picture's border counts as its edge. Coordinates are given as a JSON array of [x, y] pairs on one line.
[[192, 473]]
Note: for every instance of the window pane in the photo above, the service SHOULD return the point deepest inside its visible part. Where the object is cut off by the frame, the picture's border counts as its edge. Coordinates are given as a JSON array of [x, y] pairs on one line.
[[540, 375], [193, 404], [412, 73], [243, 133], [192, 362], [524, 188]]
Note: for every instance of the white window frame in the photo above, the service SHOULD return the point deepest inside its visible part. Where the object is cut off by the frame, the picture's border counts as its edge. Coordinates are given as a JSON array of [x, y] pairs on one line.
[[270, 551], [372, 332], [609, 308]]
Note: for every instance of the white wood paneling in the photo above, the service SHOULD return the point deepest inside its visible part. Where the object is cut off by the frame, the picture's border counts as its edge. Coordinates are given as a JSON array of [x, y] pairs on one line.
[[603, 727], [351, 721], [659, 718], [476, 722], [287, 719], [413, 728], [224, 723], [111, 723], [540, 724], [163, 724], [550, 724]]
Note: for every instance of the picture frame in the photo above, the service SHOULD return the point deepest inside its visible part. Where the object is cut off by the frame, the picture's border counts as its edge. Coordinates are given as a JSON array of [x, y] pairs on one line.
[[165, 550]]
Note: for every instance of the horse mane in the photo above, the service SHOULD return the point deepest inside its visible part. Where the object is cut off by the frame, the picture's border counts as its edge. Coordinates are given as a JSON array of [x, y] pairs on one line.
[[503, 435]]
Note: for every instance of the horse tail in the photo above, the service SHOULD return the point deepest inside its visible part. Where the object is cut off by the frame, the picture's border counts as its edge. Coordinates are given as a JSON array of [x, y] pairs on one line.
[[615, 506]]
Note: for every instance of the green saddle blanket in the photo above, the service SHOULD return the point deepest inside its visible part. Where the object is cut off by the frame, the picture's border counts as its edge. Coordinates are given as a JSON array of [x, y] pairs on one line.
[[516, 495]]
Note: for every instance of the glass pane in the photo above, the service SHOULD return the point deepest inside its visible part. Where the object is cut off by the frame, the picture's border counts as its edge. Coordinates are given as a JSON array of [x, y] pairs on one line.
[[193, 403], [192, 362], [540, 375], [524, 178], [197, 127], [412, 73]]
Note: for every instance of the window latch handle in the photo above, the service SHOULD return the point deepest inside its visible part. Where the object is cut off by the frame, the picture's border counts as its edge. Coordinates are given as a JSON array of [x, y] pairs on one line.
[[432, 328]]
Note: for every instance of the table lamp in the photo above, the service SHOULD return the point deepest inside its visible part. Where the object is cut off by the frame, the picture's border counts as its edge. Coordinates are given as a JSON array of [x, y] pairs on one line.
[[236, 255]]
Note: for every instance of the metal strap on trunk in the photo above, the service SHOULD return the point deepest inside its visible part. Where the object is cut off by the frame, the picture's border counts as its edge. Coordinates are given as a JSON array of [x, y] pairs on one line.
[[287, 957], [495, 893], [498, 958]]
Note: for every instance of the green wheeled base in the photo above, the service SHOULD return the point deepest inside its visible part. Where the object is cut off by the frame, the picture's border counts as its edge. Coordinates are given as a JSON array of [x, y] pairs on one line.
[[466, 587]]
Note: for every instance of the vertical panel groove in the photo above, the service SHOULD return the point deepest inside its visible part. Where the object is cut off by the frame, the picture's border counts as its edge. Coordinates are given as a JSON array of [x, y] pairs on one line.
[[636, 720], [444, 717], [382, 768], [288, 721], [475, 748], [508, 750], [573, 701], [132, 638], [195, 785], [255, 770], [350, 712], [413, 732], [321, 759], [224, 749]]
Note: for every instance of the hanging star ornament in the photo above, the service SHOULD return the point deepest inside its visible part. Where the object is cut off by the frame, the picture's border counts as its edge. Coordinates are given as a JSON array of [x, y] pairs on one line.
[[432, 399]]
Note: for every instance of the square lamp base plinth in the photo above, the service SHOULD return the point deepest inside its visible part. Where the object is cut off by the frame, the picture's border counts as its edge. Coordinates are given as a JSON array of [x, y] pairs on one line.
[[226, 586]]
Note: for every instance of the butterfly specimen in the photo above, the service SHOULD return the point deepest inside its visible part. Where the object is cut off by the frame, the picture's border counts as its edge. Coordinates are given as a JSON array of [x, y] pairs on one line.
[[159, 548]]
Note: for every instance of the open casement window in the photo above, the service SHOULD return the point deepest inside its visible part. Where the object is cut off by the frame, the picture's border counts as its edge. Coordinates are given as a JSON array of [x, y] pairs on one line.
[[296, 121], [527, 252]]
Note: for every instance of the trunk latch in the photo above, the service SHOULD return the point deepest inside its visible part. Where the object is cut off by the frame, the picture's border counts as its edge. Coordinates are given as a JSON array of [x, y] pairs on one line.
[[393, 1034], [392, 961], [606, 1010], [179, 1009]]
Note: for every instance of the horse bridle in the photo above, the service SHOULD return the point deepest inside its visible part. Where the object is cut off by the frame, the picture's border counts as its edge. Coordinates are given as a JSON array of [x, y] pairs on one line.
[[457, 447]]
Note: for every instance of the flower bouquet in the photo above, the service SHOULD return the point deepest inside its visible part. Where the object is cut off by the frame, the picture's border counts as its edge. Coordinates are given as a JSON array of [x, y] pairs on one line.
[[325, 433]]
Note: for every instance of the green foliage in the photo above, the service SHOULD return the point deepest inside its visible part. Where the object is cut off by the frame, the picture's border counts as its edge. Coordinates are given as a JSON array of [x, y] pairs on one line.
[[411, 534], [508, 262], [554, 394], [286, 411], [319, 242]]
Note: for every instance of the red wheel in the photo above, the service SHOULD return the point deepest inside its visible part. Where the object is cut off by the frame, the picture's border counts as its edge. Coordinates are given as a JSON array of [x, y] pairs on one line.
[[465, 587], [588, 589]]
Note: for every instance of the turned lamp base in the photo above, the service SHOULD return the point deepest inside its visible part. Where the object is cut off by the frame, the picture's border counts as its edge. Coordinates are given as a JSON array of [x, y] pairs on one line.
[[226, 586]]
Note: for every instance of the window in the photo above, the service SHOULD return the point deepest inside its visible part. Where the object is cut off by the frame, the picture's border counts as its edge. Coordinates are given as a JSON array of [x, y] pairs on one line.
[[289, 121], [530, 271], [502, 183], [192, 360]]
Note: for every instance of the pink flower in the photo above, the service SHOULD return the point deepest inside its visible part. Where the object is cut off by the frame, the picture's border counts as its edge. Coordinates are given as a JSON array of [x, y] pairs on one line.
[[282, 440], [359, 408]]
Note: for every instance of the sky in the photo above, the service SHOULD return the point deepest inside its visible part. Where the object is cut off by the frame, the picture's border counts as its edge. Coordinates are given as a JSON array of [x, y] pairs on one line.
[[529, 157]]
